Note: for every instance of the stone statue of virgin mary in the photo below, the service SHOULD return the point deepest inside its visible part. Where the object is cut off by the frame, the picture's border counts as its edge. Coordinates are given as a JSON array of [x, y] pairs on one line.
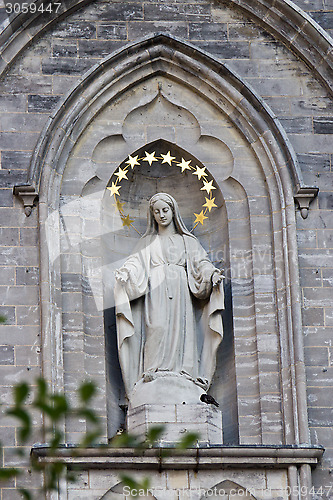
[[169, 298]]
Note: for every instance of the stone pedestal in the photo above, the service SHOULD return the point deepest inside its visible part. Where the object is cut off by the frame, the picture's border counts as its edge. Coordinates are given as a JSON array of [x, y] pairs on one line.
[[178, 419]]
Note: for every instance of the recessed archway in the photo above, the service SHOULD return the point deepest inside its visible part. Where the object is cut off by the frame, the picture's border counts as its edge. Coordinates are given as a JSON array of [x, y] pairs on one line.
[[256, 180], [119, 238]]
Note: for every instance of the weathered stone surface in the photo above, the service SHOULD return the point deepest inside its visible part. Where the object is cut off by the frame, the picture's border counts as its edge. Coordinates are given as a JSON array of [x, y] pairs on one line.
[[177, 12], [323, 125], [27, 276], [14, 84], [112, 31], [141, 28], [64, 49], [291, 89], [6, 355], [296, 124], [13, 102], [325, 19], [17, 160], [6, 199], [226, 50], [177, 419], [205, 31], [15, 140], [120, 11], [42, 104], [65, 66], [97, 48], [79, 29]]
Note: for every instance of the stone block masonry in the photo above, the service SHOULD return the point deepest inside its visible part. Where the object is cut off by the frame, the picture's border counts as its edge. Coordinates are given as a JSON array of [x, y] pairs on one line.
[[38, 81]]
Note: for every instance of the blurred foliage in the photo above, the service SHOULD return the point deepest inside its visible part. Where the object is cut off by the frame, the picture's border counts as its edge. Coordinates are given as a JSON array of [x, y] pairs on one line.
[[56, 407]]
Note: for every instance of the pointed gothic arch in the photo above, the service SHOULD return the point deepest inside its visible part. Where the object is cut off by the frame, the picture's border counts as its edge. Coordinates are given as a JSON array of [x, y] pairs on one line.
[[229, 489], [285, 20], [258, 192]]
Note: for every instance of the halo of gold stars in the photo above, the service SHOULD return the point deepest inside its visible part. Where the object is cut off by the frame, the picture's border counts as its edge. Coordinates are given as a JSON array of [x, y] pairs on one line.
[[166, 159]]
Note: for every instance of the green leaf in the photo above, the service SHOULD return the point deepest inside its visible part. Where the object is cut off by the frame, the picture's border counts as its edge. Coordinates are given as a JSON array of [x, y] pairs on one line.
[[57, 438], [42, 389], [71, 477], [188, 441], [134, 485], [154, 433], [21, 392], [88, 414], [26, 494], [3, 319], [126, 441], [53, 472], [8, 473], [129, 481], [145, 483], [60, 405], [23, 415], [90, 438], [86, 391]]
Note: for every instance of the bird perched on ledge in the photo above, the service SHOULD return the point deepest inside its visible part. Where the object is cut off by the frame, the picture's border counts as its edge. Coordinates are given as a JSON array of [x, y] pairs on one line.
[[208, 399]]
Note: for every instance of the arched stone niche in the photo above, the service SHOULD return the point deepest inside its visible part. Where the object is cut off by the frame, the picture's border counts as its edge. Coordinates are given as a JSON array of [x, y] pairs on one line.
[[117, 493], [118, 241], [204, 109], [228, 490]]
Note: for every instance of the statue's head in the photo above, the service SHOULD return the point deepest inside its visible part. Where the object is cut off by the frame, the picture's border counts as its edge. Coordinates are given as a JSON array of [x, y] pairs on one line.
[[156, 203], [165, 197], [162, 209]]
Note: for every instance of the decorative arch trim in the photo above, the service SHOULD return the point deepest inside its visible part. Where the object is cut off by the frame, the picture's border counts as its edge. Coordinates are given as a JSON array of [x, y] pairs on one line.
[[245, 106], [290, 24], [166, 56]]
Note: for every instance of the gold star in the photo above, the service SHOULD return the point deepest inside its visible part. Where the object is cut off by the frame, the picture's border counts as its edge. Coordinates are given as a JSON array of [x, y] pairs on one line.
[[168, 158], [150, 157], [132, 161], [200, 172], [209, 203], [184, 165], [208, 186], [119, 205], [114, 189], [200, 217], [127, 221], [121, 174]]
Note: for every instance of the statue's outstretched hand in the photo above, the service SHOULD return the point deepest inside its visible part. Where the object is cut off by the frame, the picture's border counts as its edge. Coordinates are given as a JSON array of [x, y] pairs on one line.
[[217, 278], [122, 275]]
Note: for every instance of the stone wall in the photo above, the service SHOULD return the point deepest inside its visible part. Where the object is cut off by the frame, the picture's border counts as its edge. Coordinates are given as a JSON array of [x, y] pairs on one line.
[[38, 81]]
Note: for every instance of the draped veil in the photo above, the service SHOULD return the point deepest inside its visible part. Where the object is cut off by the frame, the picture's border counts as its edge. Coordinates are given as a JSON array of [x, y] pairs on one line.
[[186, 331]]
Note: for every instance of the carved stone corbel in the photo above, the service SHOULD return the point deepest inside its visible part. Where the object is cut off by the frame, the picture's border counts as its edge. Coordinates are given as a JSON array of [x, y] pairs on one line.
[[304, 196], [28, 195]]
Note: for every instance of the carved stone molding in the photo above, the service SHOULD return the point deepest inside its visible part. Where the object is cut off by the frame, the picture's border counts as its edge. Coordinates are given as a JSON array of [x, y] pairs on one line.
[[196, 458], [304, 196], [28, 195], [164, 57], [294, 27], [195, 79]]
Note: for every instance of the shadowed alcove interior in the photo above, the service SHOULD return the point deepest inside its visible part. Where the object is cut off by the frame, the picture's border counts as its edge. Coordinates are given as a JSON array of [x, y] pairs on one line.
[[118, 241]]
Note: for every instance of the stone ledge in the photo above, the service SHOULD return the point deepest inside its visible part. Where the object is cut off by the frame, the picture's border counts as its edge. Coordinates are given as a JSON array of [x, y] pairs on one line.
[[194, 458]]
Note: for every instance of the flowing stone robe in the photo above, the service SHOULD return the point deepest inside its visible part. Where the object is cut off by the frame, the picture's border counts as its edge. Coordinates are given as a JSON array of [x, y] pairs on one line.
[[168, 314]]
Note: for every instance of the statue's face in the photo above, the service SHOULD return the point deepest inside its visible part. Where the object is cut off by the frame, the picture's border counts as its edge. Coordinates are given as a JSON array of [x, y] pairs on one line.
[[162, 213]]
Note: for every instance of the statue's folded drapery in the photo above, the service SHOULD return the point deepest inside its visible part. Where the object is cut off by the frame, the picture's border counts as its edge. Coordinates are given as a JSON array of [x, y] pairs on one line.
[[168, 313]]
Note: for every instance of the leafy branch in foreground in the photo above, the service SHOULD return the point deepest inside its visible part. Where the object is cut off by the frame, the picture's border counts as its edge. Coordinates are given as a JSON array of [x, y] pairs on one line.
[[56, 407], [153, 436]]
